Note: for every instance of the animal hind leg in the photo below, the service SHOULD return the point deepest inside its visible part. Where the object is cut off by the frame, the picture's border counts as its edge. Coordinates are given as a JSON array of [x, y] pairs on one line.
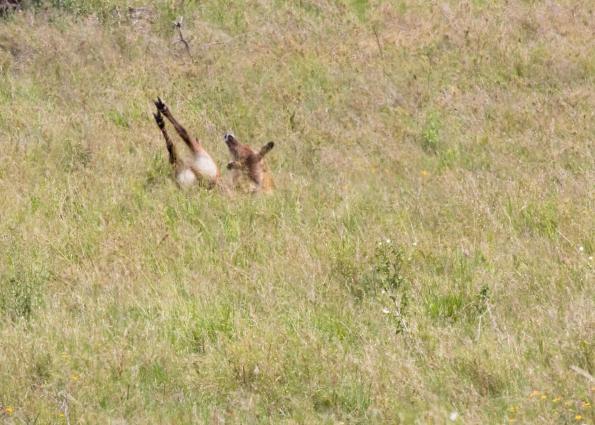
[[192, 143], [171, 149]]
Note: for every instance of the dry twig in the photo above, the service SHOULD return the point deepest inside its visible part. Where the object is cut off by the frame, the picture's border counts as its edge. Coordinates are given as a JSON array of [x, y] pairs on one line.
[[178, 25]]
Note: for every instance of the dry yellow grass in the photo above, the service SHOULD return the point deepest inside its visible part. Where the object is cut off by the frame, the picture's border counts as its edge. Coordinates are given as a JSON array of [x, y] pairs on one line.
[[462, 132]]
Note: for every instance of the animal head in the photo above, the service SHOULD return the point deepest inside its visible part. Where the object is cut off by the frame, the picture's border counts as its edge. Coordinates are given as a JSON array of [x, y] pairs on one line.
[[232, 144], [247, 161], [244, 153]]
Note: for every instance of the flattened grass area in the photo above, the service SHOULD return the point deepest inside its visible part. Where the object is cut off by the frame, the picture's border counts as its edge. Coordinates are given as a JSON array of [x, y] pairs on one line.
[[426, 257]]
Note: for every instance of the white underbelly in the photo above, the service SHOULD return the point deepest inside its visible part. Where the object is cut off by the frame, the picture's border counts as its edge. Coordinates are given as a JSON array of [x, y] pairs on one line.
[[205, 165], [185, 177]]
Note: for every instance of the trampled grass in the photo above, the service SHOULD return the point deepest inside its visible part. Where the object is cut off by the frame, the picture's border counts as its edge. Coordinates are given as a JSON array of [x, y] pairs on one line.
[[427, 256]]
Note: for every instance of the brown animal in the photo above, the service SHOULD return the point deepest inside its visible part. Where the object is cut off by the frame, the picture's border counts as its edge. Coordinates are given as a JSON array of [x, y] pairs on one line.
[[201, 167], [249, 164]]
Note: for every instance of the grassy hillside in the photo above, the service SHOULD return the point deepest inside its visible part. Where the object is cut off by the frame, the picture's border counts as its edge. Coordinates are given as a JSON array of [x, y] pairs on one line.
[[427, 257]]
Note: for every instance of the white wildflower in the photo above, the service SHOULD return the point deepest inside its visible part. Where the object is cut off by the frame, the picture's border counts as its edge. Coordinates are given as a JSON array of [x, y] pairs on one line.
[[453, 416]]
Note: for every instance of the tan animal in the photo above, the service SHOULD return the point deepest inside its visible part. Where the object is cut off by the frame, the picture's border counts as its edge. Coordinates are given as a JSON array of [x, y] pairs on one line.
[[249, 165], [201, 168]]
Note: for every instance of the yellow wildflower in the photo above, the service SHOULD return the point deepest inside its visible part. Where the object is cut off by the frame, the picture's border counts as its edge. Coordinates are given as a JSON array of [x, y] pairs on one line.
[[9, 410], [424, 173], [586, 404], [543, 397], [557, 399], [74, 377], [578, 417]]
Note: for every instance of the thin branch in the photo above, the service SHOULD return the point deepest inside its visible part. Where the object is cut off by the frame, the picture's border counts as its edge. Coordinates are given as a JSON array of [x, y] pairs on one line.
[[178, 25], [378, 42]]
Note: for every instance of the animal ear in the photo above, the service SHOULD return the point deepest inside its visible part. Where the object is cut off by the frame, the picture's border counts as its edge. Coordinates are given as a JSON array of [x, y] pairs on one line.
[[265, 149]]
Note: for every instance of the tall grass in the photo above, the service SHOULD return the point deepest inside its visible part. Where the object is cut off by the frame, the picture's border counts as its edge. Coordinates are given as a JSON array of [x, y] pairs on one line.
[[426, 257]]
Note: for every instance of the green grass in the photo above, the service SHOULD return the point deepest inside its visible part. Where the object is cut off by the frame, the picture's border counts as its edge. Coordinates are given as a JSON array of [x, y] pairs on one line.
[[427, 251]]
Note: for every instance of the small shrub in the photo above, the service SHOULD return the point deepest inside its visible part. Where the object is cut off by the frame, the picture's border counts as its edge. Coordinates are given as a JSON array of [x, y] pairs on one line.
[[480, 306], [387, 276], [387, 267], [21, 293], [383, 278], [430, 136]]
